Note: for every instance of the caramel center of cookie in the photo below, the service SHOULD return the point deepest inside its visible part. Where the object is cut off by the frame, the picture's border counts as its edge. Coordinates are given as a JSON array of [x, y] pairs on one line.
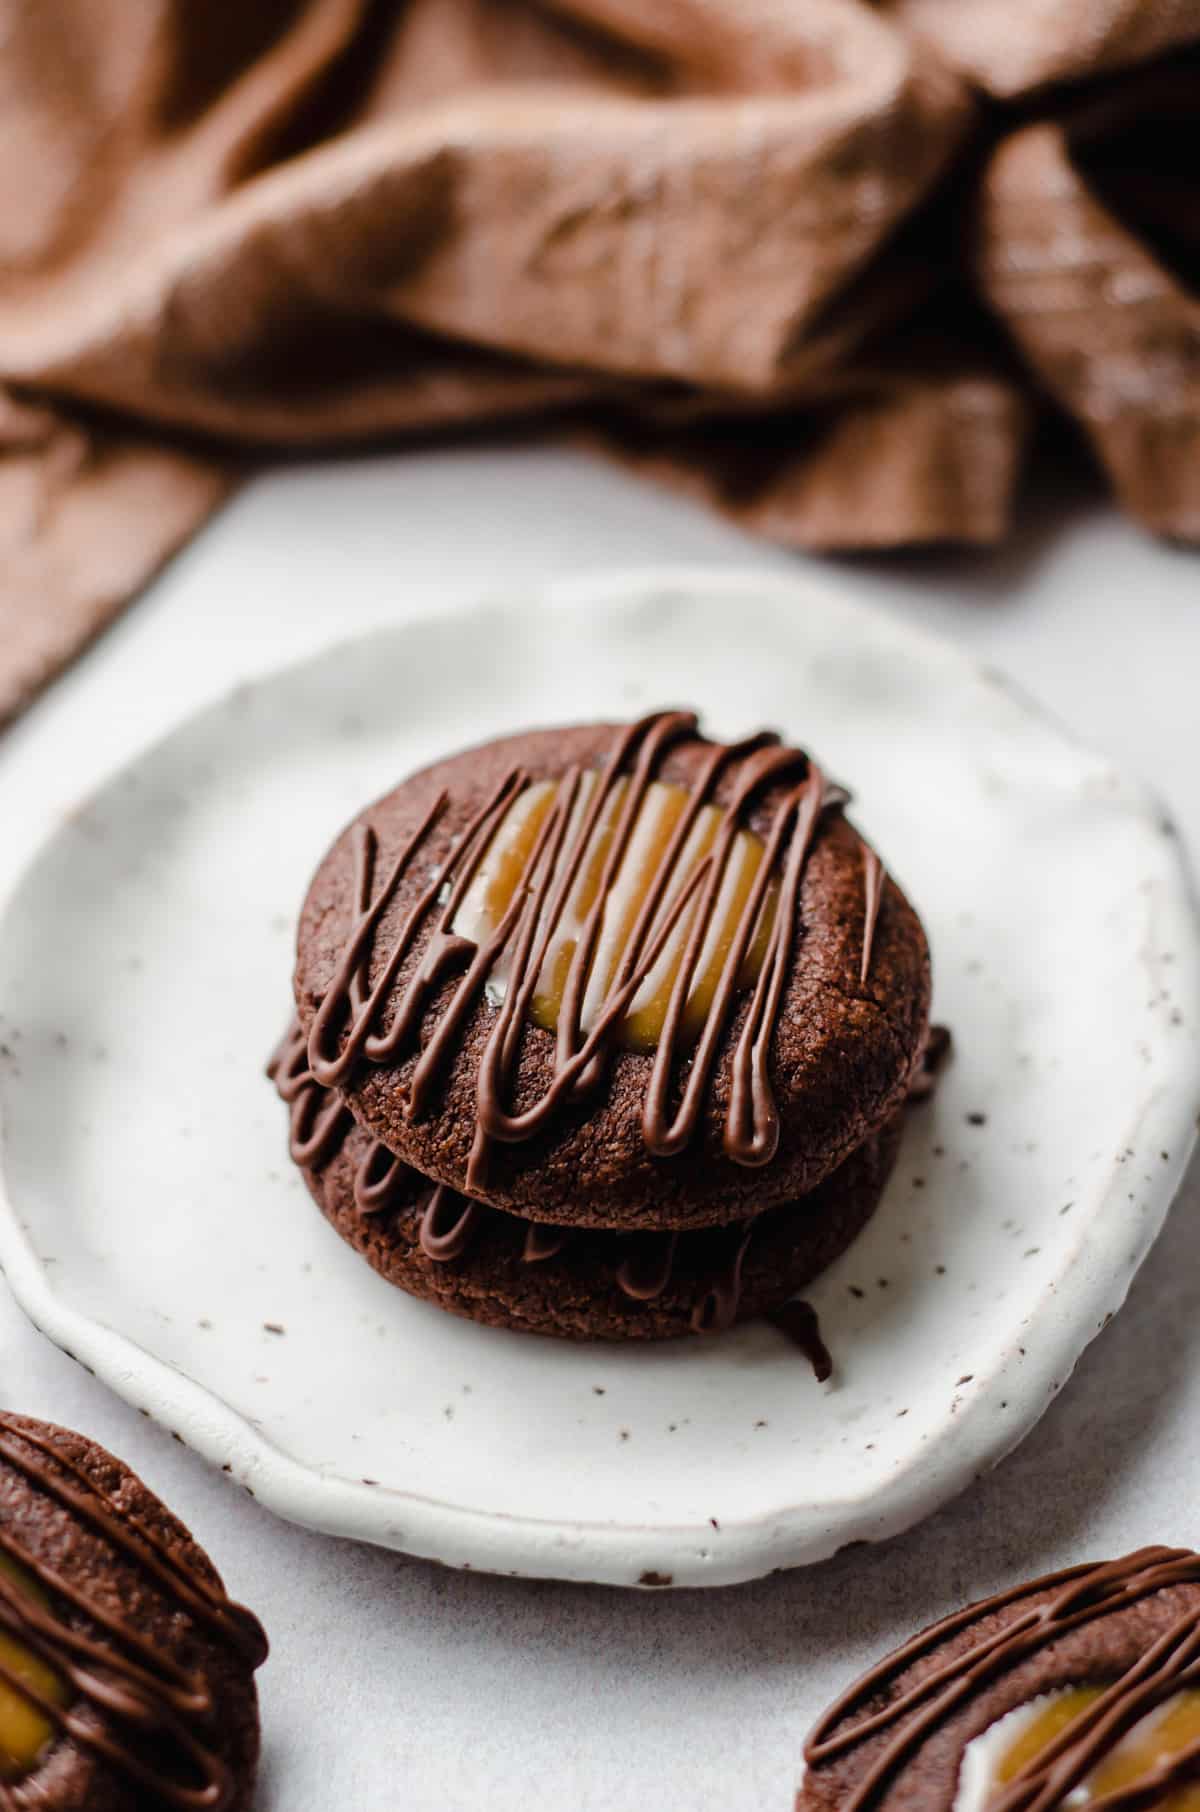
[[24, 1730], [651, 845], [1169, 1732]]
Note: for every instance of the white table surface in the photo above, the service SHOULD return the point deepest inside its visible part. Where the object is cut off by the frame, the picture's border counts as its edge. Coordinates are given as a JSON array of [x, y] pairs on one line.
[[393, 1683]]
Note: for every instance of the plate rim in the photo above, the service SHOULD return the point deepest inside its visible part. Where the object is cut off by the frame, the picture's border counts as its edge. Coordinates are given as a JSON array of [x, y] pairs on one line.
[[609, 1552]]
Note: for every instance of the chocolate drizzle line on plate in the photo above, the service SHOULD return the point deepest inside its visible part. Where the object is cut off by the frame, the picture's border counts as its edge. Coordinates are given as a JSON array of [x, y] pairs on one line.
[[347, 1030], [156, 1724], [1078, 1596]]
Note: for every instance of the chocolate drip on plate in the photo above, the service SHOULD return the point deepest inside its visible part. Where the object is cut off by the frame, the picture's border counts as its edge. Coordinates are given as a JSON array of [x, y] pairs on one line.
[[348, 1028], [1079, 1596], [154, 1724], [798, 1320]]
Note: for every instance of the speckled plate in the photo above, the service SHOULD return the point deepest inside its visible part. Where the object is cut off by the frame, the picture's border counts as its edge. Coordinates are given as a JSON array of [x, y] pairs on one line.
[[153, 1227]]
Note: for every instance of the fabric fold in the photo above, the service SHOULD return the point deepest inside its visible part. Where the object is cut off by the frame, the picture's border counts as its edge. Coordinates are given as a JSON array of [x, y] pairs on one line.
[[87, 515], [716, 235], [1012, 47], [1089, 252]]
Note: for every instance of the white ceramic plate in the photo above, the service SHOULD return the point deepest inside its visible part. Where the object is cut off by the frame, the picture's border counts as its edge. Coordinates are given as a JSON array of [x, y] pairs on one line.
[[154, 1228]]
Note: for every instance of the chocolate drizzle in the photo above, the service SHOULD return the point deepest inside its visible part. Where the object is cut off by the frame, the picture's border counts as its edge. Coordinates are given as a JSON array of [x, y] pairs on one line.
[[798, 1320], [1078, 1596], [873, 879], [450, 1222], [645, 1273], [320, 1123], [717, 1308], [543, 1242], [319, 1120], [348, 1027], [447, 1224], [379, 1178], [155, 1720]]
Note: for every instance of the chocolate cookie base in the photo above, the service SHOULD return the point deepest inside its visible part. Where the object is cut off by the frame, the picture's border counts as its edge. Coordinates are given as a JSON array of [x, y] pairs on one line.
[[716, 1275], [132, 1607], [896, 1739]]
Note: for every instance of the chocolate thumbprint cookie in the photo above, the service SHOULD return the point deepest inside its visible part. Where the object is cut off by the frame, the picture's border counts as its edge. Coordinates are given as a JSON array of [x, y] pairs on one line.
[[604, 1031], [126, 1674], [1078, 1690]]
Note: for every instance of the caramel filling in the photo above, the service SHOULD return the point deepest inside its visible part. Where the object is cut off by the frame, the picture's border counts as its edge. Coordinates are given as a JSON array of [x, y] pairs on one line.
[[24, 1730], [1162, 1735], [649, 858]]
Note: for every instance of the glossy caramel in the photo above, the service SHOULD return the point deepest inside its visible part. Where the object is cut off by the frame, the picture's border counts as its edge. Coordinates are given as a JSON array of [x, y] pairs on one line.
[[24, 1730], [506, 861], [1169, 1731]]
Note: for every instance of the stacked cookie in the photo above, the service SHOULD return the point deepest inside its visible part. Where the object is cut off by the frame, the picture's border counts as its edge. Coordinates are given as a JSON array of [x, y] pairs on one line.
[[604, 1032]]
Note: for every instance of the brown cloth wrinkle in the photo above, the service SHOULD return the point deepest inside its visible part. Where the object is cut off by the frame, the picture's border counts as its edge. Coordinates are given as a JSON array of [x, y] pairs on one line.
[[1089, 251], [730, 238]]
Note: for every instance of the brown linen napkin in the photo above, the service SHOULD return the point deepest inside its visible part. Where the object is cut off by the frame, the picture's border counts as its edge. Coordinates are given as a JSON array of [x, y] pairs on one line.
[[86, 516], [1090, 253], [301, 223]]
